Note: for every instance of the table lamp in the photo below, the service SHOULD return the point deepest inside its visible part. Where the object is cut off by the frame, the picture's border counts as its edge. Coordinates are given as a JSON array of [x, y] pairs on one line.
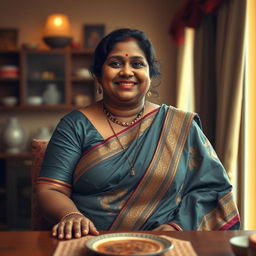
[[57, 31]]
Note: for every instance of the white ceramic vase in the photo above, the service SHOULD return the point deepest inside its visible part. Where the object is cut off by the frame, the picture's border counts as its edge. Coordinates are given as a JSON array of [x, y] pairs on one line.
[[52, 95], [13, 136]]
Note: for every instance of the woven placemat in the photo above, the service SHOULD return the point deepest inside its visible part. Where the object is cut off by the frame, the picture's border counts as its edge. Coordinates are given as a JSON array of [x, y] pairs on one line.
[[76, 247]]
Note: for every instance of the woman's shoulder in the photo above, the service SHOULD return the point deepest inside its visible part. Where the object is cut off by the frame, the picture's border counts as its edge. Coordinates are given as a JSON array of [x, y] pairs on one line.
[[89, 110], [81, 113], [77, 117]]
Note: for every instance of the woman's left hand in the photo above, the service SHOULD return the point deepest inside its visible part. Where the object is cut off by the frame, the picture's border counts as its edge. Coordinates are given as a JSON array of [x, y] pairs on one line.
[[164, 227]]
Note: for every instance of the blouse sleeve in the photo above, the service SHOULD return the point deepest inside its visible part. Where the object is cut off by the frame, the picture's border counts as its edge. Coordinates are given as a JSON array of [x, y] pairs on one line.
[[64, 149], [206, 201]]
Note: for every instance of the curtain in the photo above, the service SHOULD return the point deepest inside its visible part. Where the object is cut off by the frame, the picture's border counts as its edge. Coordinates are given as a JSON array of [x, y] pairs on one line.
[[229, 79], [218, 71]]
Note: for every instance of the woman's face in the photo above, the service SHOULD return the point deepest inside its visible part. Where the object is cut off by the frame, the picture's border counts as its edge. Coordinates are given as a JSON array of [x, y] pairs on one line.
[[125, 74]]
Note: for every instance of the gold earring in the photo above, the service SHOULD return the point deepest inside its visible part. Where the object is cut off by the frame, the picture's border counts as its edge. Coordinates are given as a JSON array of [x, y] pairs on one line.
[[99, 90], [149, 93]]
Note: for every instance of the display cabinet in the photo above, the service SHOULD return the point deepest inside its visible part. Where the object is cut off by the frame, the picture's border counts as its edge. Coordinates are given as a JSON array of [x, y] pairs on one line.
[[64, 74], [32, 80]]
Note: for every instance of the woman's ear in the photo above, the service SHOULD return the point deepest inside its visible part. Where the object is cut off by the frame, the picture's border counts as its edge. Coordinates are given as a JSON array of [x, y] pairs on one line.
[[98, 85]]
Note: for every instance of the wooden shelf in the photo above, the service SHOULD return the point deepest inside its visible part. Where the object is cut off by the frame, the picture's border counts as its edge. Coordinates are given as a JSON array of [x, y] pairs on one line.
[[9, 79], [17, 51], [19, 155], [38, 107], [82, 51], [42, 80], [80, 79]]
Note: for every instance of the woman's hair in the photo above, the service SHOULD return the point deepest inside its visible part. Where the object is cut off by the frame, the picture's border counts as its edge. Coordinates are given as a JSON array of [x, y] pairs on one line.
[[108, 42]]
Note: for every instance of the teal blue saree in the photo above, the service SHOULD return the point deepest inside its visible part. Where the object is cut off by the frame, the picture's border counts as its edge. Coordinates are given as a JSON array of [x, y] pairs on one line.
[[178, 178]]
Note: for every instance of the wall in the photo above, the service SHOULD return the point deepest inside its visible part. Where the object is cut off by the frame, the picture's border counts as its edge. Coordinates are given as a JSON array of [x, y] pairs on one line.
[[250, 127], [151, 16]]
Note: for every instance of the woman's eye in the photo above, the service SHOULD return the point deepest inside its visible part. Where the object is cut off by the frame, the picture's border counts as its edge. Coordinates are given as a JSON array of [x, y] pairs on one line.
[[115, 64], [137, 64]]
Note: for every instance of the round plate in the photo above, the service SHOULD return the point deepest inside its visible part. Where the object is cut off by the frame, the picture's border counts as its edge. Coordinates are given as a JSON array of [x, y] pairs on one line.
[[116, 243]]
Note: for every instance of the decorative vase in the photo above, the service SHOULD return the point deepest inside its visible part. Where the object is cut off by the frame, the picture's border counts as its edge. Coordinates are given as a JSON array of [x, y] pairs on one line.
[[52, 96], [14, 136]]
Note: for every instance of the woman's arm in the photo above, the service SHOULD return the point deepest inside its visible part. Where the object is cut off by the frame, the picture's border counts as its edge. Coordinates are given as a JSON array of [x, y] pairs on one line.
[[56, 204], [62, 154]]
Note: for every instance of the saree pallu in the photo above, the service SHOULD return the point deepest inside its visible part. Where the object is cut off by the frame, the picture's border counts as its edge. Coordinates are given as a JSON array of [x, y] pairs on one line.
[[178, 178]]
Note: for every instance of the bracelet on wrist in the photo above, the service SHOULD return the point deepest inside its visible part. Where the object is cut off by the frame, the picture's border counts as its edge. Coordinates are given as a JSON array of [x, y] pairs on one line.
[[175, 226], [70, 214]]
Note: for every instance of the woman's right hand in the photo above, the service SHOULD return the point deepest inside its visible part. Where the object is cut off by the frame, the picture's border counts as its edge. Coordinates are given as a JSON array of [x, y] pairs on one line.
[[74, 226]]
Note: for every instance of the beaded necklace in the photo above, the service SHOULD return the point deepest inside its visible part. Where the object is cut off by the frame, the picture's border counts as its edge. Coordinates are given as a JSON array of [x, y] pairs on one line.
[[116, 121], [131, 163]]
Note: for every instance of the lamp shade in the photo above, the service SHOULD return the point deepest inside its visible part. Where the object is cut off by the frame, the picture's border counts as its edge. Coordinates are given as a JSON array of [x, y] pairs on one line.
[[57, 31]]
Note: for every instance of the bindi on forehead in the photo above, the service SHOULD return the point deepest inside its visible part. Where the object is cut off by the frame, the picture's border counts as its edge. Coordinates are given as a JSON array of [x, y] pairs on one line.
[[126, 55]]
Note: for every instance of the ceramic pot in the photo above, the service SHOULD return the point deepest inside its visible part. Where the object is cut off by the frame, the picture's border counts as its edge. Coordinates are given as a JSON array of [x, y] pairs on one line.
[[13, 136], [52, 96]]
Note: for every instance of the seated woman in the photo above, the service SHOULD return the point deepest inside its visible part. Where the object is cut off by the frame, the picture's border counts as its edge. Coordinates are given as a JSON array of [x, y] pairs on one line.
[[125, 163]]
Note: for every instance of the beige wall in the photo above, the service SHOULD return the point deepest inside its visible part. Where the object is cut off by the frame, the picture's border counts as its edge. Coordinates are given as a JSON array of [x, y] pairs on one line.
[[250, 156], [151, 16]]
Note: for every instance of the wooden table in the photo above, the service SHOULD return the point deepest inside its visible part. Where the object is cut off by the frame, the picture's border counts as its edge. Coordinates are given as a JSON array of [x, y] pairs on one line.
[[35, 243]]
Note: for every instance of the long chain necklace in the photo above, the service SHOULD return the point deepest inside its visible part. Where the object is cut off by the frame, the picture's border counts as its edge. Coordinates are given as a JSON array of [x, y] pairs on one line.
[[116, 121], [131, 163]]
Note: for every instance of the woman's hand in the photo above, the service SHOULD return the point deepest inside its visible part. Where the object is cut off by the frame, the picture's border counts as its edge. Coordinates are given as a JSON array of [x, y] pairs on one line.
[[74, 226], [164, 227]]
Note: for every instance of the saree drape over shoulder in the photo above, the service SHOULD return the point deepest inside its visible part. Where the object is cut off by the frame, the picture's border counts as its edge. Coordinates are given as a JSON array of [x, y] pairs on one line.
[[178, 179]]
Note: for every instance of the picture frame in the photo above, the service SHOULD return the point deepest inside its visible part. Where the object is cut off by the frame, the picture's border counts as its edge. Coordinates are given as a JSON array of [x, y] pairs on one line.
[[8, 38], [93, 33]]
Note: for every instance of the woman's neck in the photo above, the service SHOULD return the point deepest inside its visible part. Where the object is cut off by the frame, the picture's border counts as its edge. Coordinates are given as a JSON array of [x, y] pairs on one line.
[[124, 113]]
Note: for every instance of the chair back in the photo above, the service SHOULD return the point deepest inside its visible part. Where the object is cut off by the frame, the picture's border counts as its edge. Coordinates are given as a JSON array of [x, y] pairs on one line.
[[38, 222]]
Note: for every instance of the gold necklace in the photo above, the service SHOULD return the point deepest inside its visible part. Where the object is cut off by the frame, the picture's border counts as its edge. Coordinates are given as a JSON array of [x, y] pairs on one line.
[[132, 170], [116, 121]]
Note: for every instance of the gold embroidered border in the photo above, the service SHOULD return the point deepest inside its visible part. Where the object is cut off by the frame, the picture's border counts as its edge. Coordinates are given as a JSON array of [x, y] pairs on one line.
[[160, 173], [221, 215], [55, 182], [111, 147]]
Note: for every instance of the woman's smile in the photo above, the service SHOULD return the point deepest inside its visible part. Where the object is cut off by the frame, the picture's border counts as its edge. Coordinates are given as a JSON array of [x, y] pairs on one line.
[[123, 84]]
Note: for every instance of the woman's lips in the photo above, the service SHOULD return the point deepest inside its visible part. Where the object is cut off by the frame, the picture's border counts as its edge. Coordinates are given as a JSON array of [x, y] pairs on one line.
[[126, 84]]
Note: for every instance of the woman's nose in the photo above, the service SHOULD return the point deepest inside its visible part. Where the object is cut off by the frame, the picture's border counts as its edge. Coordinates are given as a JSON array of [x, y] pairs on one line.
[[126, 71]]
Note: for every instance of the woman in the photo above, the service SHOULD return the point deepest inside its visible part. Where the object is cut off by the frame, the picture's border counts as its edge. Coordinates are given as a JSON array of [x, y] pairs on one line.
[[125, 163]]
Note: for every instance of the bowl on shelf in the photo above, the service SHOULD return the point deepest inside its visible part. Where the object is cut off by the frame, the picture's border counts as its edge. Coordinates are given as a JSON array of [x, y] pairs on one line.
[[30, 46], [8, 71], [57, 41], [83, 73], [9, 101], [35, 100]]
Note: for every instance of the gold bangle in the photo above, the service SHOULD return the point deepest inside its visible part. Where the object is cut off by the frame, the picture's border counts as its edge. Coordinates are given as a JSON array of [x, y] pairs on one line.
[[71, 213]]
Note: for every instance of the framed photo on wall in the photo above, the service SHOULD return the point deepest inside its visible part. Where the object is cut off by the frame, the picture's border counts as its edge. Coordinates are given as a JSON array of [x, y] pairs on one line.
[[92, 35], [8, 39]]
